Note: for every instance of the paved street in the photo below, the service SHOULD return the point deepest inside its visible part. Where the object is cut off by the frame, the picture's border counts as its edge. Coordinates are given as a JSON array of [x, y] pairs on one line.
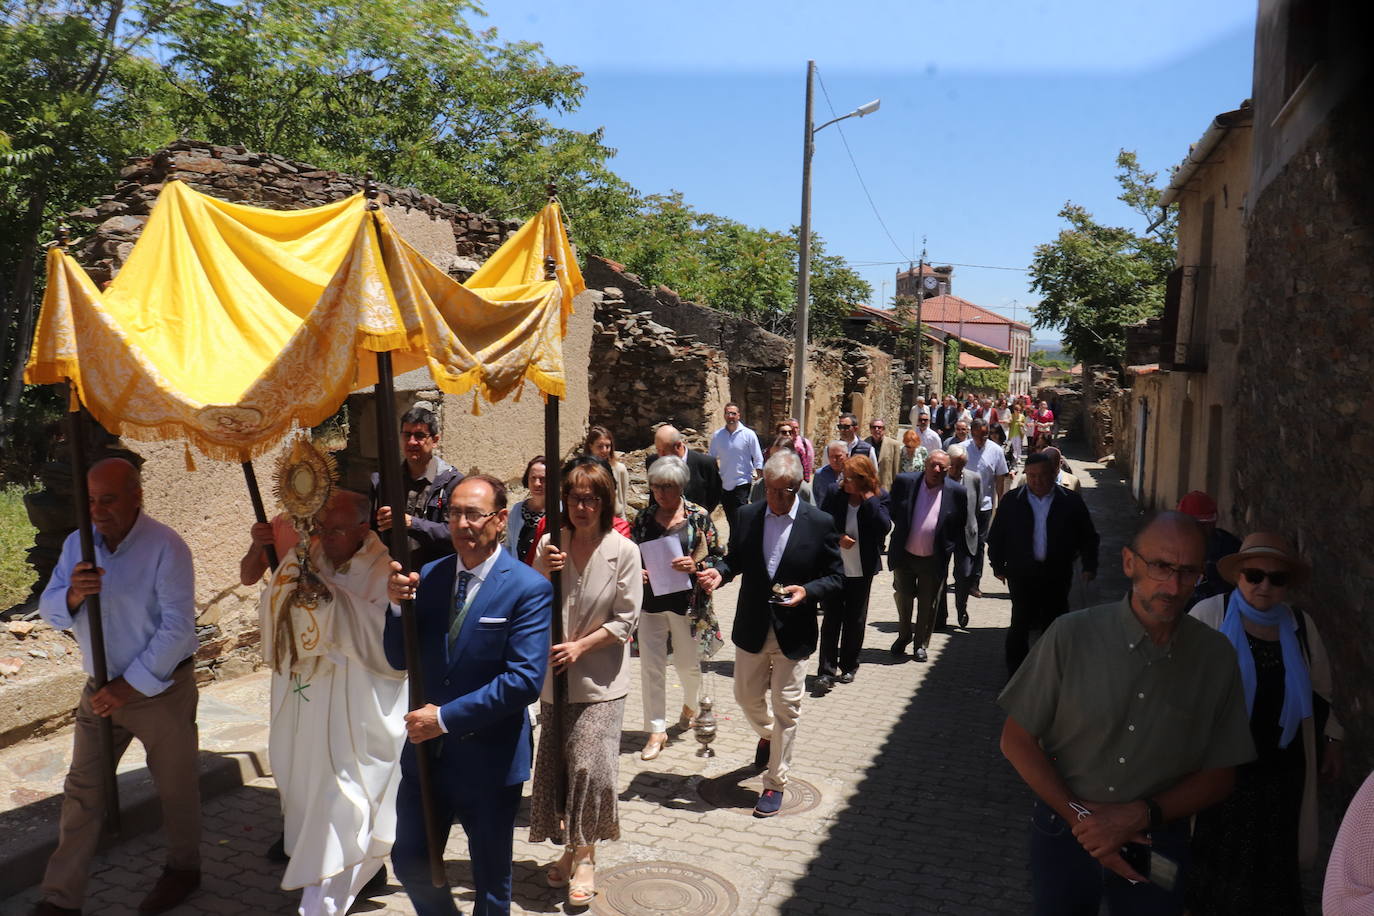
[[917, 811]]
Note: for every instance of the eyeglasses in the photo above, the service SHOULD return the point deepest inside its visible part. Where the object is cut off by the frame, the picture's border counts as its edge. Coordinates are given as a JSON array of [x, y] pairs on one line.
[[584, 502], [781, 490], [1163, 572], [1256, 576], [876, 426], [414, 434], [472, 516], [653, 486], [844, 425]]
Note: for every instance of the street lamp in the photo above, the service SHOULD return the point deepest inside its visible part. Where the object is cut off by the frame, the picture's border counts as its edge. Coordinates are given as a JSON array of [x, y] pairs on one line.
[[804, 244]]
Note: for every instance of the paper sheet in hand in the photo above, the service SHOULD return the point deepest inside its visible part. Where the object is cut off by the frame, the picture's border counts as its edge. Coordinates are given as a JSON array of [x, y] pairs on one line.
[[658, 557]]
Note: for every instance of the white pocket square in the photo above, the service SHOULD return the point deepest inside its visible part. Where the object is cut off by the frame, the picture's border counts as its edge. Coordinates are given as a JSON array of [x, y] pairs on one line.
[[492, 619]]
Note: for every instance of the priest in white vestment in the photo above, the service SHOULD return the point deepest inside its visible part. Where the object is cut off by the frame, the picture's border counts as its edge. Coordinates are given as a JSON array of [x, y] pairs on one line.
[[338, 707]]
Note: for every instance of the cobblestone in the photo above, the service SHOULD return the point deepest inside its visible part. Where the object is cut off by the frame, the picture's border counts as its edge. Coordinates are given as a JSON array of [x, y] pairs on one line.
[[919, 814]]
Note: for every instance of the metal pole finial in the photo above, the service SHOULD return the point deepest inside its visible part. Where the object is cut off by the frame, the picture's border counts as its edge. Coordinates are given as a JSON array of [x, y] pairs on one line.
[[63, 236], [552, 188], [370, 192], [550, 267]]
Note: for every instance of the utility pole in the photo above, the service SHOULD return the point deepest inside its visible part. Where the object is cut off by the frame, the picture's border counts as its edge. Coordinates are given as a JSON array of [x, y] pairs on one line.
[[804, 261], [920, 299]]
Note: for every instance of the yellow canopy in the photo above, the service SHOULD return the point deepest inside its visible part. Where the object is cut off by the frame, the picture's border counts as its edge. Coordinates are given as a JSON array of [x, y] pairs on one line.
[[230, 324]]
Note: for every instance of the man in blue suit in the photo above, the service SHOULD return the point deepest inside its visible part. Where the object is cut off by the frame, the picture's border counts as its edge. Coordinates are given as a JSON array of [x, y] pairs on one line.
[[484, 643], [928, 514]]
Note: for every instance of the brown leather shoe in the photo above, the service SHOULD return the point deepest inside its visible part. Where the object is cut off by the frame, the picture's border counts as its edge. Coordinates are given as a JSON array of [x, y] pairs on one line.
[[174, 886], [44, 908]]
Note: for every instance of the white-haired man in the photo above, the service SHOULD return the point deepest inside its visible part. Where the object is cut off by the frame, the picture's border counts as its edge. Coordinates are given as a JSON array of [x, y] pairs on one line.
[[788, 553]]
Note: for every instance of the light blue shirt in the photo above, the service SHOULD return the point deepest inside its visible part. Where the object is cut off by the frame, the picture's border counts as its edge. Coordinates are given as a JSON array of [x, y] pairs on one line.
[[777, 531], [1040, 510], [738, 453], [147, 604]]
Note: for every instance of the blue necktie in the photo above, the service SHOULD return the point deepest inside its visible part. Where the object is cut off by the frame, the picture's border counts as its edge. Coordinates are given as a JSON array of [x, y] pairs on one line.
[[459, 610]]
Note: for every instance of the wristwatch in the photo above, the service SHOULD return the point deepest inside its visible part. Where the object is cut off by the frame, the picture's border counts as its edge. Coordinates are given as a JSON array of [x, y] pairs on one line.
[[1156, 814]]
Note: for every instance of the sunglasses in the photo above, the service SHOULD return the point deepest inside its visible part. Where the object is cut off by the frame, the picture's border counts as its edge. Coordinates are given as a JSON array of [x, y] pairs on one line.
[[1256, 576]]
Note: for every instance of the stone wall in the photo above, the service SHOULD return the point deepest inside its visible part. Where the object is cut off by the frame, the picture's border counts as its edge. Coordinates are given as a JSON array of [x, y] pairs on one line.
[[1307, 338], [649, 374], [1100, 389], [209, 507], [1067, 403]]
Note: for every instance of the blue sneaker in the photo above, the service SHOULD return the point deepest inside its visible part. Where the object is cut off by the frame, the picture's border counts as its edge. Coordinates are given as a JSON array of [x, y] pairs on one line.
[[770, 803]]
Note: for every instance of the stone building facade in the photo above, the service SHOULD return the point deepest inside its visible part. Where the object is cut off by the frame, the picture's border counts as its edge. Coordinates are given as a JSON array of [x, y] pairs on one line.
[[209, 507], [1306, 351]]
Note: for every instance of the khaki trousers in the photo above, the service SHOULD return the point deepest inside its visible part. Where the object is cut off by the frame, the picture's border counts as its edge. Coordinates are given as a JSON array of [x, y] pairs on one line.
[[166, 725], [764, 676]]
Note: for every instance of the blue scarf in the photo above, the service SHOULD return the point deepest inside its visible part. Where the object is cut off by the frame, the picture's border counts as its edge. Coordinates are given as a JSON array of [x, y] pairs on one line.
[[1297, 686]]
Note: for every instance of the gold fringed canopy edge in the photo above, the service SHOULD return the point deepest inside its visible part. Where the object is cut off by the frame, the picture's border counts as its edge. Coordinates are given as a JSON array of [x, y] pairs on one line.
[[230, 325]]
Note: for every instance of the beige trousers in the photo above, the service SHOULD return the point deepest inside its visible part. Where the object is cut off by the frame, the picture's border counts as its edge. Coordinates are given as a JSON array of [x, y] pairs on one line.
[[166, 725], [759, 678]]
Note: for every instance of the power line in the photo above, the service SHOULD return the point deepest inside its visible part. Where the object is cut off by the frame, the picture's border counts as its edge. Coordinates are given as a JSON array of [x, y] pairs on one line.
[[934, 260], [859, 174]]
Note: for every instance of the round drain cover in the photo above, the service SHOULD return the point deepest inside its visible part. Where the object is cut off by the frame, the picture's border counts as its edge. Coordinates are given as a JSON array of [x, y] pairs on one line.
[[726, 792], [649, 888]]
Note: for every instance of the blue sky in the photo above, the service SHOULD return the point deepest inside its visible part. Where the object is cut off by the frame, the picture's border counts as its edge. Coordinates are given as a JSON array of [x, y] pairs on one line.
[[993, 113]]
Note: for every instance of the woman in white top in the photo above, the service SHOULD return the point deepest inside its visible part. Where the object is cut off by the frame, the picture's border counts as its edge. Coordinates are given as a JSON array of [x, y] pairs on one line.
[[860, 511]]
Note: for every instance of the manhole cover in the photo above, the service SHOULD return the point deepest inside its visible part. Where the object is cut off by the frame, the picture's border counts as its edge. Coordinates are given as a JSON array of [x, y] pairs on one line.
[[645, 888], [728, 792]]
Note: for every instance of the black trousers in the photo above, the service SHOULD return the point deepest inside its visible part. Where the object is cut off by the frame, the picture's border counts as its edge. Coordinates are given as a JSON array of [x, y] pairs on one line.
[[731, 500], [842, 626], [962, 570], [1039, 596]]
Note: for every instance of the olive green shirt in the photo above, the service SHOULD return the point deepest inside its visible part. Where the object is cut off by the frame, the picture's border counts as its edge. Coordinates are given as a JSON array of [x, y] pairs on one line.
[[1123, 719]]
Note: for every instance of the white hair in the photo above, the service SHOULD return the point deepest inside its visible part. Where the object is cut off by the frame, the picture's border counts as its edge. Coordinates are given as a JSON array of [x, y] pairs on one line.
[[834, 442], [957, 452], [670, 470], [783, 465]]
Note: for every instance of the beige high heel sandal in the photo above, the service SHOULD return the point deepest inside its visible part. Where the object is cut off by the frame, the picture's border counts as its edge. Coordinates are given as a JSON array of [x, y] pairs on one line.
[[582, 892]]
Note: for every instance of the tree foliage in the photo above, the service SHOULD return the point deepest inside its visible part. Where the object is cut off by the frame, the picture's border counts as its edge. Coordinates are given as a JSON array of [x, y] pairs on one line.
[[1096, 279], [733, 267], [409, 90]]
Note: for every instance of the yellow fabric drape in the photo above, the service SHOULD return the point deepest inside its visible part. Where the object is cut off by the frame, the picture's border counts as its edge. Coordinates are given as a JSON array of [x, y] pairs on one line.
[[230, 324]]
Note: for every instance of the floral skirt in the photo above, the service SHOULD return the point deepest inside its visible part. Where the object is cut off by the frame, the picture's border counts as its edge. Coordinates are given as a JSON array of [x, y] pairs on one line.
[[591, 734]]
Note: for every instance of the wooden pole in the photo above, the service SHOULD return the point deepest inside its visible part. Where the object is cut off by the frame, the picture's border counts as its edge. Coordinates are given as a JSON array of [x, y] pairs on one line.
[[391, 494], [76, 446], [250, 477], [553, 525]]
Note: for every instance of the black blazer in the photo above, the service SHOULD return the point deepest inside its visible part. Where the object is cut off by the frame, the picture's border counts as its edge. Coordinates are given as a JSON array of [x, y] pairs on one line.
[[811, 560], [874, 524], [704, 487], [953, 514], [1070, 534]]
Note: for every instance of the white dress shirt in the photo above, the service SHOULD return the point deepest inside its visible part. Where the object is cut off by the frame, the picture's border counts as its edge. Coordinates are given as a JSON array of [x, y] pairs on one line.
[[929, 438], [738, 453], [990, 462], [776, 530]]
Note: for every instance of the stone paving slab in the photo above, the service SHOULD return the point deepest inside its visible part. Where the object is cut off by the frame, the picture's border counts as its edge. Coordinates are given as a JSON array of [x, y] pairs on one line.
[[919, 812]]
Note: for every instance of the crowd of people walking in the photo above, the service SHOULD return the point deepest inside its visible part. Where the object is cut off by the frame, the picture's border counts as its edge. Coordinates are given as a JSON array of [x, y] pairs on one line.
[[1172, 739]]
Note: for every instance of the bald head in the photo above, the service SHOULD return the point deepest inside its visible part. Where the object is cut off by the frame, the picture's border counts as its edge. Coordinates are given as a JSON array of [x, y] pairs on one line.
[[1175, 528], [1055, 456], [116, 496], [668, 440]]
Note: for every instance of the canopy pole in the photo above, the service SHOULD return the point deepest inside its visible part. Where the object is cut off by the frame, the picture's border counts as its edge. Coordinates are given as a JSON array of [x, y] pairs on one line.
[[76, 447], [250, 477], [553, 525], [390, 494]]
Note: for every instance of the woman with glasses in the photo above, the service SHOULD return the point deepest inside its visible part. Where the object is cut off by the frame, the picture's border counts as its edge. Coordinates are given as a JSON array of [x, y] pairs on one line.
[[601, 444], [526, 515], [602, 589], [860, 511], [684, 615], [1249, 849]]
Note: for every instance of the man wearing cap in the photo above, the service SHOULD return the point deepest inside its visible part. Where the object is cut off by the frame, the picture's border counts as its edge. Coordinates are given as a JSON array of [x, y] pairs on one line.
[[1220, 543], [1125, 720]]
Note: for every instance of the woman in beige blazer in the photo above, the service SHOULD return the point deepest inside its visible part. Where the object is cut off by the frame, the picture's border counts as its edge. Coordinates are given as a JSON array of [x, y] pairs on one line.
[[602, 580], [1248, 849]]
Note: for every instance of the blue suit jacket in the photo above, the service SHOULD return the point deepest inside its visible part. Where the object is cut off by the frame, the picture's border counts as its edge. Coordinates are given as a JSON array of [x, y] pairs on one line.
[[496, 670]]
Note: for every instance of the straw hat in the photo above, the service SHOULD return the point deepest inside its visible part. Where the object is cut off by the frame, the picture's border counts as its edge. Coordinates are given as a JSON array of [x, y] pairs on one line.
[[1269, 546]]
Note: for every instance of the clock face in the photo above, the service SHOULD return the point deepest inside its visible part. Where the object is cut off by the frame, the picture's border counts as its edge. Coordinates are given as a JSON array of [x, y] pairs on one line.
[[930, 282]]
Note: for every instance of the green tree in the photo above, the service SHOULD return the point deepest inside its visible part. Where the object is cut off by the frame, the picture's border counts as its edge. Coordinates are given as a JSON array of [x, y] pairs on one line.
[[1096, 279], [737, 268], [1043, 358], [74, 101]]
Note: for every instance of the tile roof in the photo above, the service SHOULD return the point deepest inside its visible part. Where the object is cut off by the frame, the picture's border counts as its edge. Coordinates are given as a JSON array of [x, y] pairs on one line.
[[969, 361], [953, 308]]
